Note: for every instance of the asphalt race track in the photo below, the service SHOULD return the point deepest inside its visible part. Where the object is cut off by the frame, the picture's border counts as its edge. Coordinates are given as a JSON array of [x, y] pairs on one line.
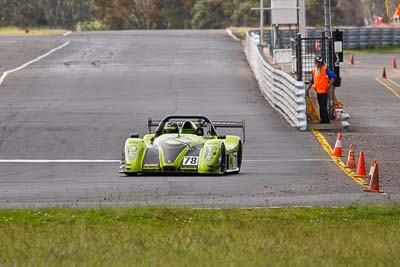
[[64, 119]]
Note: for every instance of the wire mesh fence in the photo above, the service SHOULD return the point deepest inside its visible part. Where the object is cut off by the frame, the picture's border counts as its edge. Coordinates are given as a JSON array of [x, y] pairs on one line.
[[352, 37]]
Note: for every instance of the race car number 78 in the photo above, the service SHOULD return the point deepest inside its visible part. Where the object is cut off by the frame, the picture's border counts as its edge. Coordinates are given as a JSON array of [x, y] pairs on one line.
[[190, 160]]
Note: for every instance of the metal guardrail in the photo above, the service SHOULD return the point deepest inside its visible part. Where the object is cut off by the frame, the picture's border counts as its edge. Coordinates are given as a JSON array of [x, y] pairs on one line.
[[282, 91], [352, 37]]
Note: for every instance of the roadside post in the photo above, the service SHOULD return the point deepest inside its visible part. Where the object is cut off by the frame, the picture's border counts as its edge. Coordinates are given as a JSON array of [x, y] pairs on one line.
[[261, 9]]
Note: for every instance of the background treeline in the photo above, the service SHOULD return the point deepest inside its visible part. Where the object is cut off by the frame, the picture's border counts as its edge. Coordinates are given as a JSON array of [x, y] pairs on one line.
[[171, 14]]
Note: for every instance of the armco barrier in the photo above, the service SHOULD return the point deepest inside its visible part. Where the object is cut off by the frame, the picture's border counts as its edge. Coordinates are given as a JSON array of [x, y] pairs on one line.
[[283, 92]]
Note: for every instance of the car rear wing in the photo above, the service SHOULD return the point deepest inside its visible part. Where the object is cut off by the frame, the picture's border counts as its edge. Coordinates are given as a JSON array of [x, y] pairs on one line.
[[232, 124], [152, 123]]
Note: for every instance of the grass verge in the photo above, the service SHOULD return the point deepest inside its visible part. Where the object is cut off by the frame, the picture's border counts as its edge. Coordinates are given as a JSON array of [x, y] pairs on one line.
[[29, 31], [374, 50], [241, 32], [352, 236]]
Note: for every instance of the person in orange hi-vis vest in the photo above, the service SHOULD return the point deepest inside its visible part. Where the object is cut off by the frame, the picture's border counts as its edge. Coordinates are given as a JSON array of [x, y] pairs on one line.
[[322, 79], [396, 16]]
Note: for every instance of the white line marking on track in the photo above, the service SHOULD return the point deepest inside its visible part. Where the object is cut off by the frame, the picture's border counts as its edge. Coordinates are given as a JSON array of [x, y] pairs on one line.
[[379, 80], [285, 160], [230, 33], [117, 161], [58, 161], [67, 33], [3, 77]]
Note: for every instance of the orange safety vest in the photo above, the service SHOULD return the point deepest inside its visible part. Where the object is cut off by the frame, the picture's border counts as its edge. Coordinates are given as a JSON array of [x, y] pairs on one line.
[[321, 81]]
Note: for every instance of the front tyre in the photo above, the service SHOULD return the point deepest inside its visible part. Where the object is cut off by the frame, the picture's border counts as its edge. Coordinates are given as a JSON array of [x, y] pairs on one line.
[[123, 166], [130, 174]]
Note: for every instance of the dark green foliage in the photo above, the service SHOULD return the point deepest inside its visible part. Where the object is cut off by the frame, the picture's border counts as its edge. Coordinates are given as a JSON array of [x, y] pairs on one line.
[[173, 14], [51, 13]]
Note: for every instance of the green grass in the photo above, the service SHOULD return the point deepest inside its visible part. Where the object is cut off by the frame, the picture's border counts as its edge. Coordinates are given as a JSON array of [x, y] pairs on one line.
[[353, 236], [29, 31], [374, 50]]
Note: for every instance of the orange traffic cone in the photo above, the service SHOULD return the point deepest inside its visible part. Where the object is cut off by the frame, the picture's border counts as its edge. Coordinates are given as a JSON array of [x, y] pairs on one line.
[[337, 151], [361, 171], [373, 185], [394, 63], [351, 59], [351, 161], [384, 73]]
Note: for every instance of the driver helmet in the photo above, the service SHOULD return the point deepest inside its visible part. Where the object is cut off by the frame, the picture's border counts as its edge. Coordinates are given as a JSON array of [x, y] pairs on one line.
[[171, 127]]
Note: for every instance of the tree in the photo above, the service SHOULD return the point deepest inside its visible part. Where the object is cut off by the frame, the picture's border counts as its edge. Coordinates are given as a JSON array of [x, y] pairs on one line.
[[343, 13], [172, 14], [66, 13], [243, 15], [211, 14]]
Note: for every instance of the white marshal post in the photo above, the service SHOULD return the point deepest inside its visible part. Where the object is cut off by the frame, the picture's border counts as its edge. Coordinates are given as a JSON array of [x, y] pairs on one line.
[[261, 22], [327, 9], [283, 12], [262, 9], [302, 18]]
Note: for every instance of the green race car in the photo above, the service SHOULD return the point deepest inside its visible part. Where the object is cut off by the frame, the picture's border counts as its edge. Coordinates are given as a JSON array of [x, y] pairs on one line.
[[184, 144]]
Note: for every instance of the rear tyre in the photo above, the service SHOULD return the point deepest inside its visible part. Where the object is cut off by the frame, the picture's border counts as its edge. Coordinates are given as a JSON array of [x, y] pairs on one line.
[[239, 157], [223, 159]]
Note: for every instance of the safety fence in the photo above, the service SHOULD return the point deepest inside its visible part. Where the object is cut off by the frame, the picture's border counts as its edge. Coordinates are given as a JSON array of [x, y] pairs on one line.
[[352, 37], [280, 89]]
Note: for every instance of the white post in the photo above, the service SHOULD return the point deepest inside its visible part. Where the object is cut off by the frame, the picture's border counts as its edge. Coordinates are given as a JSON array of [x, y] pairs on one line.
[[261, 22], [302, 18], [327, 9]]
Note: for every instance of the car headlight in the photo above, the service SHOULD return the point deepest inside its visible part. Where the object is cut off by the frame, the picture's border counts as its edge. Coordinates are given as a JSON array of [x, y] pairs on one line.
[[131, 151], [210, 152]]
